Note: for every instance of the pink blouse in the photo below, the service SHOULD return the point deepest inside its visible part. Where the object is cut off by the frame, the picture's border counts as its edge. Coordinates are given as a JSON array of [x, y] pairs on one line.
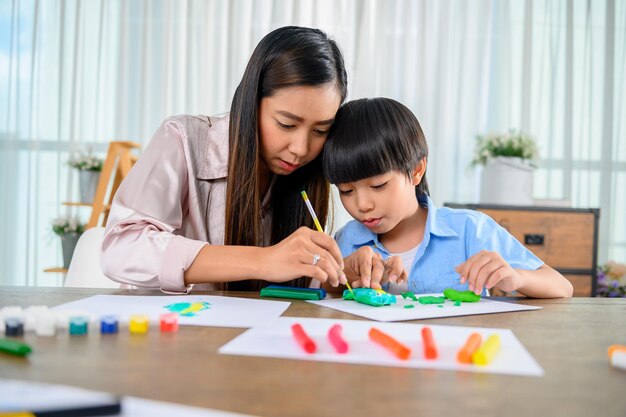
[[170, 205]]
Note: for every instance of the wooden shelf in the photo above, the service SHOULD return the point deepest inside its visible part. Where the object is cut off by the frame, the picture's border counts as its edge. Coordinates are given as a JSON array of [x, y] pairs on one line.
[[106, 207], [116, 166], [63, 270], [75, 204]]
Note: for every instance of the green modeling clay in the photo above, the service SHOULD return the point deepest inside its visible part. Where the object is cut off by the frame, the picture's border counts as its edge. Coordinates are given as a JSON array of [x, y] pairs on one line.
[[440, 306], [464, 296], [410, 295], [409, 306], [369, 296], [429, 299], [457, 303]]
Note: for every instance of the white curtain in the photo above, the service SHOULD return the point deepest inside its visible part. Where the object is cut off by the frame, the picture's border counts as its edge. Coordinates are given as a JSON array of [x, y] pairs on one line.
[[75, 75]]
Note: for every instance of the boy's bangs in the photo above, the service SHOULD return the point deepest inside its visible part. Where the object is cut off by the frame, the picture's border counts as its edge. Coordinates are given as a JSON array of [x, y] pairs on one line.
[[355, 162]]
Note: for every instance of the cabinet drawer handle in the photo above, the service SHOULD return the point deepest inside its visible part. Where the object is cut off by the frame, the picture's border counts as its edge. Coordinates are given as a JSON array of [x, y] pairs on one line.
[[533, 239]]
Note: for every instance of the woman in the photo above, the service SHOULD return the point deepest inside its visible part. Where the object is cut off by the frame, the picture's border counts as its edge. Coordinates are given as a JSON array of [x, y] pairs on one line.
[[216, 200]]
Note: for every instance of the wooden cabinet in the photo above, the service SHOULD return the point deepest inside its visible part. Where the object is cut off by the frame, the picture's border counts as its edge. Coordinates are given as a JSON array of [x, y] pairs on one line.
[[565, 239]]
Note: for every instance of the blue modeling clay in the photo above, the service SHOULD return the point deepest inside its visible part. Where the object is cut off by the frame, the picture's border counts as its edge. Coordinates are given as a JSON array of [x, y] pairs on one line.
[[369, 296]]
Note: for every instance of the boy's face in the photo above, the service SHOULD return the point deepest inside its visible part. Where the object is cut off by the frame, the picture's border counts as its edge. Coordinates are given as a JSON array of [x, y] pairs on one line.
[[382, 202]]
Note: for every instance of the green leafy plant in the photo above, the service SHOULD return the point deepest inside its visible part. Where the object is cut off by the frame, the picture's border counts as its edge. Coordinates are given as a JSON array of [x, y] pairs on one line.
[[64, 225], [512, 144], [86, 162]]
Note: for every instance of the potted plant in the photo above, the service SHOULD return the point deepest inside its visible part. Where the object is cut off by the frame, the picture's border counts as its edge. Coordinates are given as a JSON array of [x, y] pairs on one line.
[[507, 160], [69, 230], [89, 168], [611, 280]]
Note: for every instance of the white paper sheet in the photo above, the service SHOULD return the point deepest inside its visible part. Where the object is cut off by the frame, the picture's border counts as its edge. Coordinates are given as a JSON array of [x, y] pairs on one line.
[[139, 407], [397, 312], [276, 341], [25, 395], [221, 311], [35, 396]]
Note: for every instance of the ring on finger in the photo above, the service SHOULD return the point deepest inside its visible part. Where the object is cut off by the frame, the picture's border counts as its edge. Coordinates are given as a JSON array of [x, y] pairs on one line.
[[316, 259]]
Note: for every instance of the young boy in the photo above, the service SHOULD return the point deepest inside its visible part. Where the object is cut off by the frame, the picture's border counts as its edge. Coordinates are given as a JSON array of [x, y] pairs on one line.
[[376, 154]]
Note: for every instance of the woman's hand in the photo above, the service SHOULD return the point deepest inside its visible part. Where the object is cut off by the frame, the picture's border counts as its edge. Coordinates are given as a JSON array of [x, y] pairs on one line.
[[366, 268], [488, 270], [305, 252]]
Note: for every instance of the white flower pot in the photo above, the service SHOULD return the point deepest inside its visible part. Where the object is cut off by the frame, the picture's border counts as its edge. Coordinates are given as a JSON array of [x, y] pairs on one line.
[[507, 181], [88, 182]]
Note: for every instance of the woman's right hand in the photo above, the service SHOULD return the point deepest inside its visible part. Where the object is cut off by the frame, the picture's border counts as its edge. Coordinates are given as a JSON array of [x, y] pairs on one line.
[[307, 253], [366, 268]]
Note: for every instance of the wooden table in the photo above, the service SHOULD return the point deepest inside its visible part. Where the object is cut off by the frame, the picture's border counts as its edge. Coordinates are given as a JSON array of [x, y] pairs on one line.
[[569, 339]]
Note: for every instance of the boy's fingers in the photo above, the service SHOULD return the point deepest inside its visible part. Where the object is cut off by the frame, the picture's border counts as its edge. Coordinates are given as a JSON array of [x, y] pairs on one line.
[[466, 267], [493, 280], [353, 261], [396, 268], [356, 284], [378, 270], [461, 271], [365, 270], [479, 283], [487, 273], [477, 265], [463, 268]]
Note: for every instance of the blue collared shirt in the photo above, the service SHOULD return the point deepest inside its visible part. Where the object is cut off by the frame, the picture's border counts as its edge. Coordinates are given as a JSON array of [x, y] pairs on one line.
[[451, 236]]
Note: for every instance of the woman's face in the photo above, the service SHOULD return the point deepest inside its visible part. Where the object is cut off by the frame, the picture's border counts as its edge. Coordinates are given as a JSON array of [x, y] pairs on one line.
[[293, 125]]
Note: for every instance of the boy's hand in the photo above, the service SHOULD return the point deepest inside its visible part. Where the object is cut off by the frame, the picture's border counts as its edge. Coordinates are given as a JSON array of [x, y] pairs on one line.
[[488, 270], [366, 268]]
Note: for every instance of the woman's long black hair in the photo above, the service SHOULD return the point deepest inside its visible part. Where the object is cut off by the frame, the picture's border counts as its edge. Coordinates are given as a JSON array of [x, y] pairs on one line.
[[287, 57]]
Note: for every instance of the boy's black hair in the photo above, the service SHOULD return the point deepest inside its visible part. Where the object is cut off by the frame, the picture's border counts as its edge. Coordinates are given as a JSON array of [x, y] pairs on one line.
[[373, 136]]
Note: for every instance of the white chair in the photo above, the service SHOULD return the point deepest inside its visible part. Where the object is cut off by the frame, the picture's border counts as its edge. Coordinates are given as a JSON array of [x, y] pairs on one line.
[[84, 270]]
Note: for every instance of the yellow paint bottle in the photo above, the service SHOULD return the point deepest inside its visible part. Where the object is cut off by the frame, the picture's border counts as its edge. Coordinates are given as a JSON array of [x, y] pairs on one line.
[[139, 324]]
